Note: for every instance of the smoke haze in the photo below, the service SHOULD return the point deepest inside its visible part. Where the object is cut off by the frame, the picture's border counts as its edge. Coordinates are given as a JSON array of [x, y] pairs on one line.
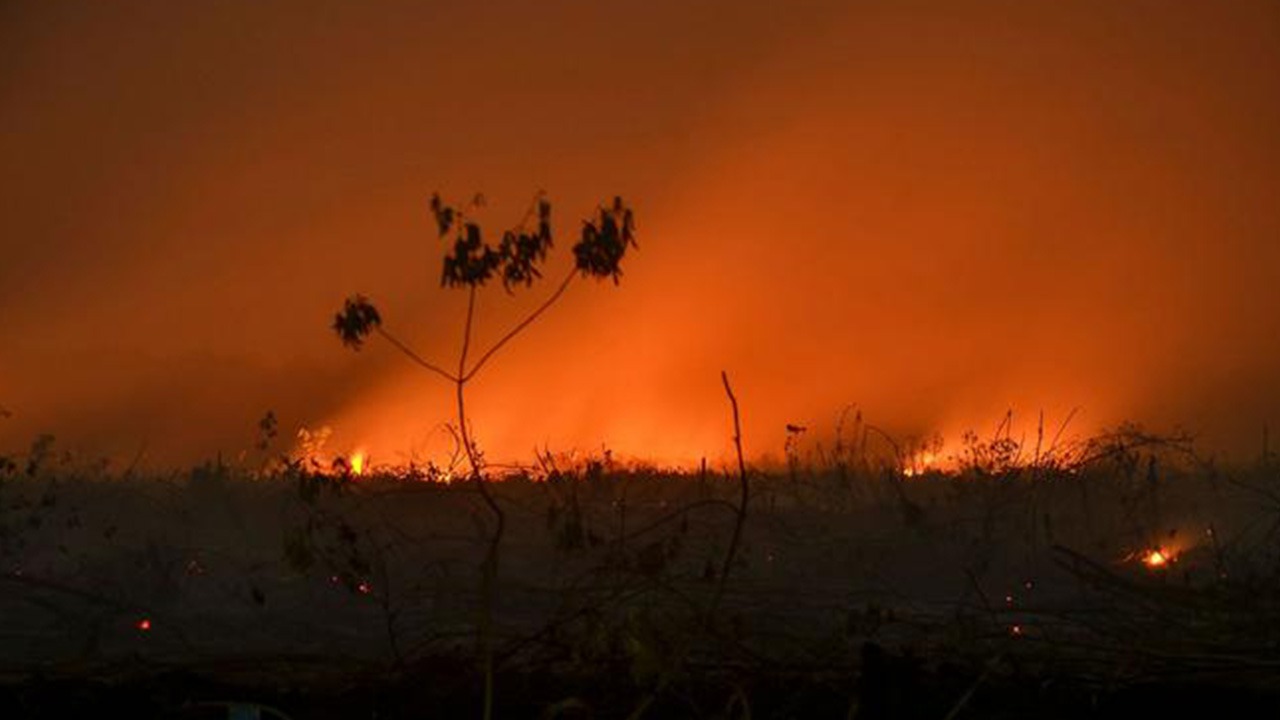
[[935, 211]]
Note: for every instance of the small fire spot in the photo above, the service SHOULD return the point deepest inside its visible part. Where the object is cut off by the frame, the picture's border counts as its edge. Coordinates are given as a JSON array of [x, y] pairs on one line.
[[144, 625], [1157, 558]]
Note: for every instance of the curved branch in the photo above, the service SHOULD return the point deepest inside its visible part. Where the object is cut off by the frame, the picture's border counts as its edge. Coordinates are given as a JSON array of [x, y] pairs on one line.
[[489, 568], [741, 514], [408, 351], [466, 337], [564, 285]]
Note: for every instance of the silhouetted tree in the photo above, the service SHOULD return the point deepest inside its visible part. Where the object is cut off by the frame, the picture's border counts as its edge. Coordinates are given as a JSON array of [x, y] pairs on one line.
[[470, 263]]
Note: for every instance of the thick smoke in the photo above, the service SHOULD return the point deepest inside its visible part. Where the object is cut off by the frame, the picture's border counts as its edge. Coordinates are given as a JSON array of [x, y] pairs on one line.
[[933, 212]]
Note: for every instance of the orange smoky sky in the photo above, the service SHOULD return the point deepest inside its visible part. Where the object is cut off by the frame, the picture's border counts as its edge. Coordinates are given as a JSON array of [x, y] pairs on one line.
[[935, 211]]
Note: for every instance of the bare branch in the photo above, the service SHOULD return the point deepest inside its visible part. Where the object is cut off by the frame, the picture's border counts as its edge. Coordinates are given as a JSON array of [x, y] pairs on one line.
[[564, 285], [741, 519], [408, 351]]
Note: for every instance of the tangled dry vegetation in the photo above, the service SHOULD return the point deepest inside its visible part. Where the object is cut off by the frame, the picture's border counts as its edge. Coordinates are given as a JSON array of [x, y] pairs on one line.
[[846, 589], [1047, 578]]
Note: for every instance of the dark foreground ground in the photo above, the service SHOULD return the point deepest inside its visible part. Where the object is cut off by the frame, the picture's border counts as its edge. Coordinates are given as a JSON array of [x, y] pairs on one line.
[[897, 689], [1014, 587]]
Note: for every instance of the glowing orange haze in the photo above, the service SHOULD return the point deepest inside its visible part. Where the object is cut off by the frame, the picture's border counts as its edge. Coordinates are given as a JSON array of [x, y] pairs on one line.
[[937, 215]]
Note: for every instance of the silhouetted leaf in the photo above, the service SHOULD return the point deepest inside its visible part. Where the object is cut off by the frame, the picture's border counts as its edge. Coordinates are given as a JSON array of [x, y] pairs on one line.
[[521, 252], [444, 215], [604, 243], [268, 428], [472, 262], [356, 321]]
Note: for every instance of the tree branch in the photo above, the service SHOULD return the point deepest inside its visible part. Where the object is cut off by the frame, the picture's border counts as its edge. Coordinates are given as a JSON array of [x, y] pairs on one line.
[[489, 568], [564, 285], [408, 351], [741, 519], [466, 336]]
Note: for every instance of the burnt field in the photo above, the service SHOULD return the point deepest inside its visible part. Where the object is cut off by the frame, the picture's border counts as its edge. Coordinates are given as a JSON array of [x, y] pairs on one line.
[[1127, 575]]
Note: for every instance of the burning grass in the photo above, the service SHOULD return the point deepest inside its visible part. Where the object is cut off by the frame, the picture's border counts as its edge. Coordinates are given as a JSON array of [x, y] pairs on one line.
[[1129, 563]]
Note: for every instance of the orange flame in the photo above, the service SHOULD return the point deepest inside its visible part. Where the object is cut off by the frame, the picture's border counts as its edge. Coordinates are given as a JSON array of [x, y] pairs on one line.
[[921, 463], [1158, 558]]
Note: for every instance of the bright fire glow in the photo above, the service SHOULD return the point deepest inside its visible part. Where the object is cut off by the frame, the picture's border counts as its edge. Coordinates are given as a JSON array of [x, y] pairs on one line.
[[1157, 558], [921, 463], [901, 316], [357, 463]]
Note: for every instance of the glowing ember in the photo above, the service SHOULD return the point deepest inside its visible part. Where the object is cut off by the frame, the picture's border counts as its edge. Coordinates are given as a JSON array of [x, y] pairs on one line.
[[144, 624], [1157, 558]]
